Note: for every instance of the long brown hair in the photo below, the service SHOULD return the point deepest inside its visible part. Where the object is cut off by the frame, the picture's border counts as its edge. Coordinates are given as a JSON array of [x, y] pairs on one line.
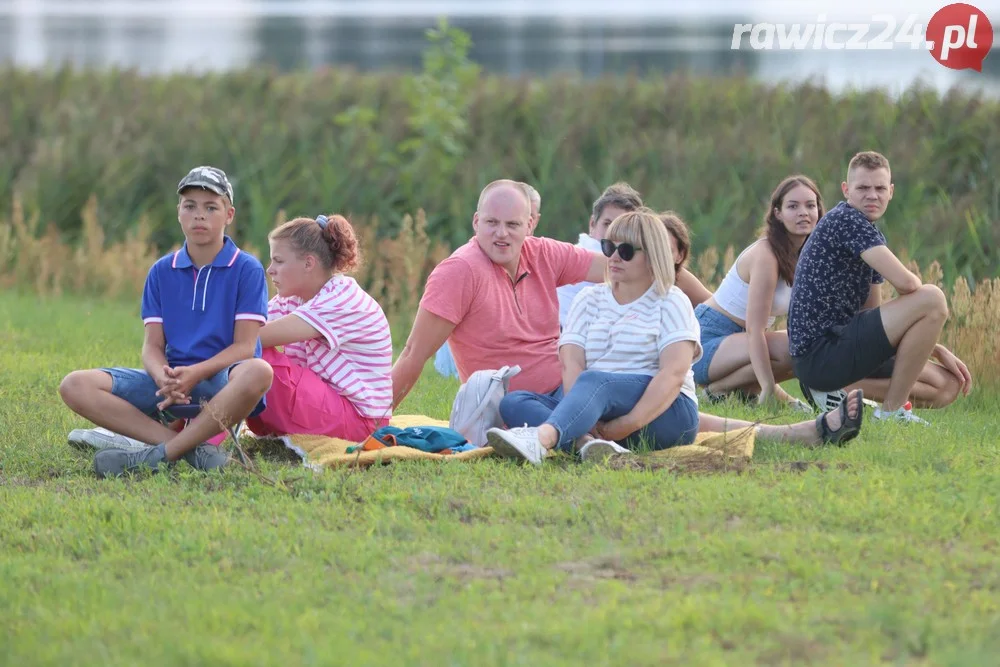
[[774, 230], [682, 237]]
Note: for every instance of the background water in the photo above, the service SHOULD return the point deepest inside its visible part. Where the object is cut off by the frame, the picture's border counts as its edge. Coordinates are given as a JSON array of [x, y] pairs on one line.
[[516, 37]]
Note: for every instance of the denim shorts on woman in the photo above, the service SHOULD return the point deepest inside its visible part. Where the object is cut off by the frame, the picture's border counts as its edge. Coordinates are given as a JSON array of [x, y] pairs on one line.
[[715, 327]]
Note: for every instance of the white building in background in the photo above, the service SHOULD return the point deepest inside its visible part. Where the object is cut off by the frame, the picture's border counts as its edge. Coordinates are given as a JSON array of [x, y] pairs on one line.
[[514, 36], [147, 36]]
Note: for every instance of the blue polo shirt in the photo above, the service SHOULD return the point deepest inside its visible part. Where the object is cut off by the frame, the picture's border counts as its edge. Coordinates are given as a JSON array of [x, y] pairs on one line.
[[832, 282], [199, 307]]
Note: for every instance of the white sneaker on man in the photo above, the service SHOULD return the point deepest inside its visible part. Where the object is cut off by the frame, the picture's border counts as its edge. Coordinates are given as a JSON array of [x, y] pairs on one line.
[[824, 401], [601, 450], [98, 439], [517, 443], [903, 415]]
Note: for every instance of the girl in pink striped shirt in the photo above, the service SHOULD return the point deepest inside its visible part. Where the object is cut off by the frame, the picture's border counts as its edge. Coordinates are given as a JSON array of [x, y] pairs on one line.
[[331, 376]]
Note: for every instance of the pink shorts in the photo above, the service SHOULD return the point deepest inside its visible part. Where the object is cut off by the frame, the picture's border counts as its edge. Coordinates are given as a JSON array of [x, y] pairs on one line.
[[299, 401]]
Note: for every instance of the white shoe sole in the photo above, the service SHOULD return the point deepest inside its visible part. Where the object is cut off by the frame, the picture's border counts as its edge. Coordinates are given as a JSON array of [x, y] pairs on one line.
[[90, 440], [506, 448], [597, 450]]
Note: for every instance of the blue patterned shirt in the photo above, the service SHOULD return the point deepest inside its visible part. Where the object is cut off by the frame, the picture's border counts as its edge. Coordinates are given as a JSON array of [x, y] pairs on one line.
[[832, 282]]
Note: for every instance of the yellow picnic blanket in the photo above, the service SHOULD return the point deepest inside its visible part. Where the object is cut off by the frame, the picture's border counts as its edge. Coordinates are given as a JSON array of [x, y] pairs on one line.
[[709, 451]]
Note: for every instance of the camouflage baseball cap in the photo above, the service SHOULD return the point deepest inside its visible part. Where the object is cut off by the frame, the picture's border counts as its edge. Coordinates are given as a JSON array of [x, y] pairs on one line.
[[210, 178]]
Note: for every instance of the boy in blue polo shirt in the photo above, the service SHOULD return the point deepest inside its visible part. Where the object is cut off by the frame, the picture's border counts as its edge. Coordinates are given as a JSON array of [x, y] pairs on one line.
[[202, 308], [841, 335]]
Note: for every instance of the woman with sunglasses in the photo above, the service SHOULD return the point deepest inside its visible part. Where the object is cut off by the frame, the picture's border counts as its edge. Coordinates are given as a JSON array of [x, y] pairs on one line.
[[626, 352], [740, 353]]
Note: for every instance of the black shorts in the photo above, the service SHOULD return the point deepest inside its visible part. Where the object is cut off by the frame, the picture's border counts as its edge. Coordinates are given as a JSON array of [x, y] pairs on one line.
[[846, 354]]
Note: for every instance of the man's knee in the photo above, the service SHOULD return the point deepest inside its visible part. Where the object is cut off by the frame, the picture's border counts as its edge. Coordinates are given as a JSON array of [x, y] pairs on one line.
[[76, 386], [934, 300], [254, 376]]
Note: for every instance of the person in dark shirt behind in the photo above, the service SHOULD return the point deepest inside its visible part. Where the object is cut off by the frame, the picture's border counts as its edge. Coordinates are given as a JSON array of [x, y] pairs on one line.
[[840, 333]]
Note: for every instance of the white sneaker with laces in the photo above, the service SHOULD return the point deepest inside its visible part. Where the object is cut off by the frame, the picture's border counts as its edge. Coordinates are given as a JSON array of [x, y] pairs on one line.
[[517, 443], [903, 415], [99, 439], [824, 401], [600, 450]]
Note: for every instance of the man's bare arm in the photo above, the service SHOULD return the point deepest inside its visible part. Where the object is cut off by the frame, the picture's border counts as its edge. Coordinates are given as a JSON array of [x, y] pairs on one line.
[[429, 333]]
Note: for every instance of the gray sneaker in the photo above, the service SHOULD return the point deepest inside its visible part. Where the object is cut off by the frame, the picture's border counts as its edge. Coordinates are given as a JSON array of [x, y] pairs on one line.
[[206, 457], [98, 439], [116, 462]]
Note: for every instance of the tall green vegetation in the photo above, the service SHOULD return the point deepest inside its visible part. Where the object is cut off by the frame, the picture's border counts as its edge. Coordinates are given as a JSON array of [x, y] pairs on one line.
[[383, 146]]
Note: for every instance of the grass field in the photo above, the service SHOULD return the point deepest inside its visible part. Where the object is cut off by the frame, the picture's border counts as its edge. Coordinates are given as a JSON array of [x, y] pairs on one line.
[[887, 555]]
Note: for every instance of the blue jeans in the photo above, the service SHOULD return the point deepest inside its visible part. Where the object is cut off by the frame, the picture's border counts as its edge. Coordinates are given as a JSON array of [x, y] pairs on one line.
[[599, 396], [137, 387], [715, 328]]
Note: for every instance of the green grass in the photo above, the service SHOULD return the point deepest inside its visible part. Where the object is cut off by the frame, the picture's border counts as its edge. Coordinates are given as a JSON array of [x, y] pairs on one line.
[[889, 554]]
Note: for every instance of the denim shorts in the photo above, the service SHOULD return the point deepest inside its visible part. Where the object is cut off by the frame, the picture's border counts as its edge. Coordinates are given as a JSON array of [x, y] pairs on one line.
[[137, 387], [715, 327]]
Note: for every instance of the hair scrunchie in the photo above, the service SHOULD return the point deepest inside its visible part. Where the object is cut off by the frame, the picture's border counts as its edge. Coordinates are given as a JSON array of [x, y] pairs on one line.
[[322, 221]]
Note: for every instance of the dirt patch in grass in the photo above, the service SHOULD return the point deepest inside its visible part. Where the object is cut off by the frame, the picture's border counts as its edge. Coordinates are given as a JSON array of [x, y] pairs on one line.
[[441, 568], [612, 568], [715, 465], [600, 568], [793, 649], [802, 466]]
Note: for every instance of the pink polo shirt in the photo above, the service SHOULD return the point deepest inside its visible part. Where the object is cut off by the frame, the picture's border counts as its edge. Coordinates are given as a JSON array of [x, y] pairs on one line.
[[503, 322]]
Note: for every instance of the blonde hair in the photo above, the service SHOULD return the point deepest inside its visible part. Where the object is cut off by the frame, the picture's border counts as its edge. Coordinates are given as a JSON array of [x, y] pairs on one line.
[[644, 229], [517, 185], [869, 160]]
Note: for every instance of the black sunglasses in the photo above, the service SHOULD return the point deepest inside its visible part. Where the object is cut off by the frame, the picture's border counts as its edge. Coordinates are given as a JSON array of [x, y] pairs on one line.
[[625, 250]]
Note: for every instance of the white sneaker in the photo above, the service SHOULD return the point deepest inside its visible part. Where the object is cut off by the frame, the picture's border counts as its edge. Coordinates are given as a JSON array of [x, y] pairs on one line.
[[824, 401], [98, 439], [903, 415], [601, 450], [517, 443]]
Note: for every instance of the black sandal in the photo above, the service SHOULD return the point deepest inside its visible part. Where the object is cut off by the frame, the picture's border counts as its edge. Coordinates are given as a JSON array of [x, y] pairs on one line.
[[849, 428]]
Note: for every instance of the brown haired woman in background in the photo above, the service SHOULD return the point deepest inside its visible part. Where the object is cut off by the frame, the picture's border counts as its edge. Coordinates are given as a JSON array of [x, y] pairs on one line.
[[739, 351]]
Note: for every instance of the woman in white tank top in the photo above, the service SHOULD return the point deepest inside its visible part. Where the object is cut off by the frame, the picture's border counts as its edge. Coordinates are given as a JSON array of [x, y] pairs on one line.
[[739, 351]]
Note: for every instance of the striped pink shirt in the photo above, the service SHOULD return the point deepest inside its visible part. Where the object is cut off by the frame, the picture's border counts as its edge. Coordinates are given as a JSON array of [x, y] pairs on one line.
[[354, 353]]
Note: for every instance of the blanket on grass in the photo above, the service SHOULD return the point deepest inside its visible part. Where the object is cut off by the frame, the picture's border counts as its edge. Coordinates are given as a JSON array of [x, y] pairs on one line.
[[710, 451]]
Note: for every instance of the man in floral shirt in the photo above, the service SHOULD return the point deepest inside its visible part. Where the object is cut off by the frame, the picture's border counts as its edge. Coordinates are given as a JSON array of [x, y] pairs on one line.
[[841, 334]]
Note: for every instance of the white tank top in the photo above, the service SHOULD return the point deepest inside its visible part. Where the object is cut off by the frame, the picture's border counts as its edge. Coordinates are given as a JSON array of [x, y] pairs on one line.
[[733, 294]]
